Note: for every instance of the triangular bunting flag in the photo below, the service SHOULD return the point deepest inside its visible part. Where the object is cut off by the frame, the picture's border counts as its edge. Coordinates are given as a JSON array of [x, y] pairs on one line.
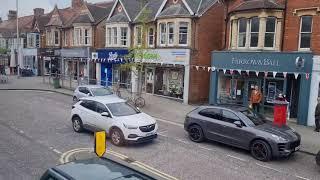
[[274, 74], [265, 74], [307, 76], [296, 75], [203, 67], [197, 67], [231, 71], [239, 71], [224, 71], [209, 68], [213, 69], [257, 73], [161, 63], [284, 74], [247, 71]]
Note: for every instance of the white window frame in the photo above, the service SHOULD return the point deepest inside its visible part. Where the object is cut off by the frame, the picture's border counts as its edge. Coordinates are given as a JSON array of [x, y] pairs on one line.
[[114, 35], [65, 38], [300, 32], [162, 34], [138, 36], [250, 32], [54, 37], [109, 36], [246, 34], [150, 36], [173, 33], [87, 37], [187, 34], [126, 37], [274, 34], [76, 36]]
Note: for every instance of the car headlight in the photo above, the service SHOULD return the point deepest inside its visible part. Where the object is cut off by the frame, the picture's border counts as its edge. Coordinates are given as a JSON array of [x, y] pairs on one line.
[[130, 127], [278, 138]]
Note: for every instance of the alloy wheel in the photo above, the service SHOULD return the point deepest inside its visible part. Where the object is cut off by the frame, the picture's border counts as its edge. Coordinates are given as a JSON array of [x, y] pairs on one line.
[[259, 151], [116, 137], [76, 125]]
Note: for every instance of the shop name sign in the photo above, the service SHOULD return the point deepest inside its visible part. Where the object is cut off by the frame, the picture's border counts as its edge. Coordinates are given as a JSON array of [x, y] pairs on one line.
[[113, 56], [147, 56], [256, 62]]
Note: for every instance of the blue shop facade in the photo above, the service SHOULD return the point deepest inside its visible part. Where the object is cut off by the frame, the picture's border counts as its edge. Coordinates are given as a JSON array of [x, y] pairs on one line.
[[109, 70], [235, 74]]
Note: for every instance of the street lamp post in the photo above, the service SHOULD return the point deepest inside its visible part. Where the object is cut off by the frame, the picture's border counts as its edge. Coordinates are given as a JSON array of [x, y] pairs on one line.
[[18, 43]]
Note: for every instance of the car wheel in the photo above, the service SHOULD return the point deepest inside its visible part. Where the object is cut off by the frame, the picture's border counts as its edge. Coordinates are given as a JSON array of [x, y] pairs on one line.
[[77, 124], [75, 99], [318, 158], [117, 137], [196, 133], [140, 102], [261, 150]]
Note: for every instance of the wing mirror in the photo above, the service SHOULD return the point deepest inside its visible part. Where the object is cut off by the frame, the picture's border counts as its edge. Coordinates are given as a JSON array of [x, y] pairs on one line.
[[89, 94], [106, 114], [238, 124]]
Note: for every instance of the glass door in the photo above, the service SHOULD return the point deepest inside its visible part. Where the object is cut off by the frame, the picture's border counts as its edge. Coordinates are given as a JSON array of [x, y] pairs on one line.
[[150, 80]]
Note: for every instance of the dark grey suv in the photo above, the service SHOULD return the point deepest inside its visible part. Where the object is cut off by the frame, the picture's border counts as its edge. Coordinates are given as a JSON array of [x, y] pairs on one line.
[[237, 126]]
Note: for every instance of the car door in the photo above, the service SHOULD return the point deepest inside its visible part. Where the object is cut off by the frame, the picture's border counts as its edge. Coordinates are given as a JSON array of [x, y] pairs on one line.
[[103, 122], [234, 135], [83, 92], [212, 118], [88, 114]]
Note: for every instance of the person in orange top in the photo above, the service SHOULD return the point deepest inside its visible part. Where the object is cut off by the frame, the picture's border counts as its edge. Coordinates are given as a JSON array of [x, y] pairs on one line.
[[255, 99]]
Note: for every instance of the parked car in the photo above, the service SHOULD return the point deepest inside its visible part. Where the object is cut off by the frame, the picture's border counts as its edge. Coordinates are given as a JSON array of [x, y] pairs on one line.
[[91, 90], [318, 158], [121, 121], [102, 169], [237, 126]]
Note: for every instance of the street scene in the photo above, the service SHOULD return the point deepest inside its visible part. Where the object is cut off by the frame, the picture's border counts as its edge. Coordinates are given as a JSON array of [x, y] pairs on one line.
[[160, 89]]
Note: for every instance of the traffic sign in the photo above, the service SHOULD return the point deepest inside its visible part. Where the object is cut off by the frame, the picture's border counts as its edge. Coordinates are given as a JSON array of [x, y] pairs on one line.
[[100, 143]]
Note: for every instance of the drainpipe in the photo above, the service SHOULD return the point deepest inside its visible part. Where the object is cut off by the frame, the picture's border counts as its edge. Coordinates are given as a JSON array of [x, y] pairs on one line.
[[226, 7], [284, 24]]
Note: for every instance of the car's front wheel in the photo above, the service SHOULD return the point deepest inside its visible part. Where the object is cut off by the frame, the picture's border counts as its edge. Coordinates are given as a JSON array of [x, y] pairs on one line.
[[117, 137], [77, 124], [261, 150], [196, 133]]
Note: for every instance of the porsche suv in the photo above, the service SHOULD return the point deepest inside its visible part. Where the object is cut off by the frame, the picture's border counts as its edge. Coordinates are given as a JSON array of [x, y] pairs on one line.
[[237, 126]]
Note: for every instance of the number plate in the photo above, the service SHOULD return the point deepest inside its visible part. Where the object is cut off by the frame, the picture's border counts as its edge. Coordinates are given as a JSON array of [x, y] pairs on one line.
[[150, 133]]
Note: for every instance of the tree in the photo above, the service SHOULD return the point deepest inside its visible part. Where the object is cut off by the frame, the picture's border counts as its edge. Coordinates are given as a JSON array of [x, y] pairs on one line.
[[3, 51]]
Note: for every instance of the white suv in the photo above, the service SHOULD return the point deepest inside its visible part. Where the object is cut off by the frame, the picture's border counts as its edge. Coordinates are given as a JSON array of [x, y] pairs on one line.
[[121, 121]]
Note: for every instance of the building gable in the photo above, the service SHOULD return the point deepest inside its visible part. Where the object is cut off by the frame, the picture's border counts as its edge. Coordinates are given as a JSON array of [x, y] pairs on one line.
[[174, 8], [118, 13]]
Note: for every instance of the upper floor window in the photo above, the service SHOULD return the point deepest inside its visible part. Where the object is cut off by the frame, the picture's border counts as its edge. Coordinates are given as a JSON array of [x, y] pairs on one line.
[[305, 32], [109, 36], [254, 31], [151, 37], [183, 33], [163, 33], [269, 39], [124, 34], [242, 32], [82, 36], [115, 35], [56, 37], [33, 40], [87, 36], [65, 38], [53, 37], [170, 33], [138, 35]]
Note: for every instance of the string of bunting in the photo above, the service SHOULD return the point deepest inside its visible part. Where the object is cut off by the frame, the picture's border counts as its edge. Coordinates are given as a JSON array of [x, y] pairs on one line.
[[266, 73]]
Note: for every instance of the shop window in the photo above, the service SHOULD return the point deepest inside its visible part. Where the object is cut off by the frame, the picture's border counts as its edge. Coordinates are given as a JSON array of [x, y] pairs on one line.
[[151, 37], [305, 32], [254, 31], [183, 33], [124, 34], [170, 33], [269, 40], [115, 35], [242, 26], [163, 32]]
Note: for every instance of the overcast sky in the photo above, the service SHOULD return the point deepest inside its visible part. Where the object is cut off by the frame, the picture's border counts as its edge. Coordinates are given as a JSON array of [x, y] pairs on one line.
[[26, 6]]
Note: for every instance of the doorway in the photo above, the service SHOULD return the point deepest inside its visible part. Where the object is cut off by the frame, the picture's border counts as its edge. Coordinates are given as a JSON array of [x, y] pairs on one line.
[[150, 80]]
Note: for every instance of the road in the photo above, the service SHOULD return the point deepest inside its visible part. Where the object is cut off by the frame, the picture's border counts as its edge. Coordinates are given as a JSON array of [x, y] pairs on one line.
[[35, 130]]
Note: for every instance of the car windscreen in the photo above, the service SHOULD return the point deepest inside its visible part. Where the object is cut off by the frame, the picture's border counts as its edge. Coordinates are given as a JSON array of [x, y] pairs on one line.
[[101, 91], [256, 119], [122, 109]]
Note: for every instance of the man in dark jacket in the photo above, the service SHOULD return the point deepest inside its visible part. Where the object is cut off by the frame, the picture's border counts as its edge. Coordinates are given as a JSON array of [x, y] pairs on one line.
[[317, 116]]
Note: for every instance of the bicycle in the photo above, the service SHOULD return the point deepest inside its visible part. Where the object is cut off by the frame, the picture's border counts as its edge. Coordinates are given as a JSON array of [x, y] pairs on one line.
[[116, 89], [137, 101]]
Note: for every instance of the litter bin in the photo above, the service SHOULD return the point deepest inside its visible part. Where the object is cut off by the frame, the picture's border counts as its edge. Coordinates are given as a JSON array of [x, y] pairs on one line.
[[280, 113], [56, 82]]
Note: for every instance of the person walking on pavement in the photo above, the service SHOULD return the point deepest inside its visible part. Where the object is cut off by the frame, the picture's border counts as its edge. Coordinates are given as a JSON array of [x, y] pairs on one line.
[[255, 99], [317, 116]]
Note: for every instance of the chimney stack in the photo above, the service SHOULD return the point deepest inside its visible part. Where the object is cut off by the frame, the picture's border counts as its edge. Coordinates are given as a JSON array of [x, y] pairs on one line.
[[38, 12], [12, 15], [76, 3]]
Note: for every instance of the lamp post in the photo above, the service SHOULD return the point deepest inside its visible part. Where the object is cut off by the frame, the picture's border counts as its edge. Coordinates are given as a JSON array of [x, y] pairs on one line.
[[18, 43]]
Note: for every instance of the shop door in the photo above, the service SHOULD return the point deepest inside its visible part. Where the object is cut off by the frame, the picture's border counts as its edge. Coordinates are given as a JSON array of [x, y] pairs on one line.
[[106, 74], [159, 86], [150, 80]]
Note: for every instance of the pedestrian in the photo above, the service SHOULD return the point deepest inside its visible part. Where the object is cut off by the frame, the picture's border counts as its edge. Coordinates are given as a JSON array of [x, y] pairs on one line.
[[255, 99], [317, 116]]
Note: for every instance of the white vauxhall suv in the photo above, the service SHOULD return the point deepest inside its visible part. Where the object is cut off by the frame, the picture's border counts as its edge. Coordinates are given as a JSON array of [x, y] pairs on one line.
[[122, 122]]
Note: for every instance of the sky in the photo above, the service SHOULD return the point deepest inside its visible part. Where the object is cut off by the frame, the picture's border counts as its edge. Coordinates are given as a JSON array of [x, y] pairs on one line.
[[26, 6]]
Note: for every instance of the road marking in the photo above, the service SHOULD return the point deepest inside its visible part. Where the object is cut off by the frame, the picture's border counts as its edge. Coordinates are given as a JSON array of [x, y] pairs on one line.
[[169, 122], [21, 132], [268, 167], [203, 147], [302, 177], [163, 131], [234, 157], [160, 134], [183, 141], [57, 151]]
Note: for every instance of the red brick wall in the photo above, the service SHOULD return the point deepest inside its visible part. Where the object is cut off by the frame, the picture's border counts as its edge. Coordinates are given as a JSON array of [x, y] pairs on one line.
[[99, 32], [208, 35], [292, 26]]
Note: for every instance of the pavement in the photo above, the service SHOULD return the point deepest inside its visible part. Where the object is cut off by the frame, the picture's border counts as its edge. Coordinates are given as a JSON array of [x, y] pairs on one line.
[[161, 108], [36, 133]]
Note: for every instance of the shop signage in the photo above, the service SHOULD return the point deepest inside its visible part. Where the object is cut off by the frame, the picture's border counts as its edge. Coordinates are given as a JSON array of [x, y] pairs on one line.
[[29, 51], [166, 56], [114, 56], [263, 61], [75, 52]]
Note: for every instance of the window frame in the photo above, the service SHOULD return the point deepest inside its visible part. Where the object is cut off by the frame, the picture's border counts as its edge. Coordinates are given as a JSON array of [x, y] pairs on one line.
[[138, 35], [170, 25], [300, 32], [56, 37], [250, 32], [126, 36], [226, 121], [114, 35], [246, 34], [187, 33], [109, 36], [210, 109], [162, 35], [65, 38], [274, 33], [151, 37]]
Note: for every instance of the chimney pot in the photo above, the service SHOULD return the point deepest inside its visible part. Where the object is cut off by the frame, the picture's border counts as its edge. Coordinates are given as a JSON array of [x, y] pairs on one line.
[[12, 15], [38, 11]]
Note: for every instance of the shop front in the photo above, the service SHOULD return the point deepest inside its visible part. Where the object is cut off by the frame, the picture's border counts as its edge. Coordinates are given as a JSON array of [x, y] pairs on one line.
[[109, 68], [30, 59], [236, 74], [50, 61], [166, 73], [76, 64]]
